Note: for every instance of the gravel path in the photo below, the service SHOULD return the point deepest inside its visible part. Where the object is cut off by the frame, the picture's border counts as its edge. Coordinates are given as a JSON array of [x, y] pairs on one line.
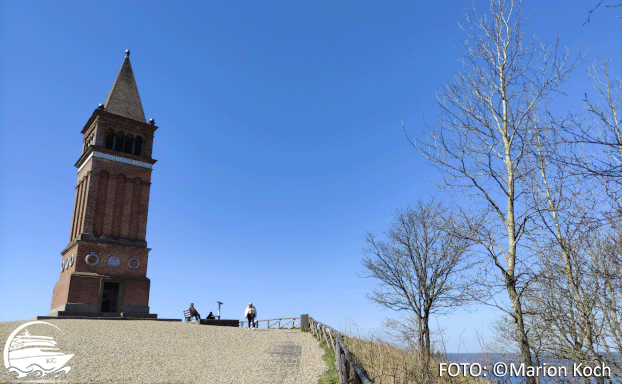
[[144, 351]]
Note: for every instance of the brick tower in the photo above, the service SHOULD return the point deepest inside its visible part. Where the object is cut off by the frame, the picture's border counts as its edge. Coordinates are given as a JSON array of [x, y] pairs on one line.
[[104, 266]]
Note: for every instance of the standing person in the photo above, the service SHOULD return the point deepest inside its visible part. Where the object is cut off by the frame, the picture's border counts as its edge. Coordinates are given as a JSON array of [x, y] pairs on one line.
[[193, 312], [250, 314]]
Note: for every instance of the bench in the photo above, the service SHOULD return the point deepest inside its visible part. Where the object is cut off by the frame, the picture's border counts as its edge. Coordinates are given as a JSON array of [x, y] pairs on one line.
[[187, 315]]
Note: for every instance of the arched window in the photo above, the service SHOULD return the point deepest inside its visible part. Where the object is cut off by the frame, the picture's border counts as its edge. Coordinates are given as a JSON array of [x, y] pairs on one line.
[[118, 145], [88, 143], [138, 143], [110, 139], [129, 144]]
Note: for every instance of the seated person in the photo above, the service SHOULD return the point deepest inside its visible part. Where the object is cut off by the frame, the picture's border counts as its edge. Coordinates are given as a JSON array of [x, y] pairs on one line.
[[193, 312], [210, 316]]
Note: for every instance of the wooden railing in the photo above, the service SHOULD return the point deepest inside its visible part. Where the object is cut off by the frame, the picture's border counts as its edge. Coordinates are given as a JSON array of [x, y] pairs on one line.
[[347, 370], [282, 323]]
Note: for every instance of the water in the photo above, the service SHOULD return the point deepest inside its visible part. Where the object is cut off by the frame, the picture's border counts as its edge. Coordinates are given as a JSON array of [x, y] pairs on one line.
[[35, 370], [502, 368]]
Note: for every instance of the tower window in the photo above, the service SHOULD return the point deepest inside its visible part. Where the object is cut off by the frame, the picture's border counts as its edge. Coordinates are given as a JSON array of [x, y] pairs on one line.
[[110, 139], [118, 141], [88, 143], [129, 144], [118, 145], [137, 145]]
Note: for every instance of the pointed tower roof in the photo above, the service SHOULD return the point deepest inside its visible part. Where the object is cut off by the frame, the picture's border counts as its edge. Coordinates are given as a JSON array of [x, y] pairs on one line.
[[123, 98]]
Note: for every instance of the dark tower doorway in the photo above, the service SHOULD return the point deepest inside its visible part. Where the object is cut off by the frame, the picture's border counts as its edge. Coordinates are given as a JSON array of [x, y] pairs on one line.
[[110, 297]]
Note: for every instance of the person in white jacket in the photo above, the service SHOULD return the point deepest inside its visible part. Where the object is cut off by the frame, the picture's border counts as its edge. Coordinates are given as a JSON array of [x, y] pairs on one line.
[[251, 313]]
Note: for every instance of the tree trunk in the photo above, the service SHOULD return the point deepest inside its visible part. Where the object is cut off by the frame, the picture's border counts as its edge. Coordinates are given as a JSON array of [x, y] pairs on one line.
[[426, 340], [519, 327]]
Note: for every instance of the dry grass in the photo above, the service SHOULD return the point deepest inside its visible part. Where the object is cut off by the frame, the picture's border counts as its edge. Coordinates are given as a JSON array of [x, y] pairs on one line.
[[387, 364]]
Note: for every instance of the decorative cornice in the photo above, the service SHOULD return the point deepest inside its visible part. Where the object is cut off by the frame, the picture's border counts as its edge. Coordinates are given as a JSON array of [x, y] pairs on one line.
[[118, 121], [118, 159], [86, 238]]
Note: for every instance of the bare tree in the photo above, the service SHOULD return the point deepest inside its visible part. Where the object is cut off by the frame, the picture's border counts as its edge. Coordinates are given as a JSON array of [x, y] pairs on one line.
[[601, 135], [572, 311], [485, 133], [609, 272], [419, 266], [589, 13], [566, 237], [601, 161]]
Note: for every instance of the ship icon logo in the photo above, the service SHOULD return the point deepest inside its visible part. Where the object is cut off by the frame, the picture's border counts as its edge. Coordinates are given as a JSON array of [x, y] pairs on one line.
[[34, 355]]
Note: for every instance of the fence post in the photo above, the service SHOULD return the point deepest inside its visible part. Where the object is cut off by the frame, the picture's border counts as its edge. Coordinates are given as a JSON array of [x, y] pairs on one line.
[[304, 322], [330, 333], [338, 362], [345, 369]]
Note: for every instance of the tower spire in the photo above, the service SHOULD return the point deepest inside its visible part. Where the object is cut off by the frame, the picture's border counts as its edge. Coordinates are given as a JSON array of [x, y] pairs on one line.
[[123, 98]]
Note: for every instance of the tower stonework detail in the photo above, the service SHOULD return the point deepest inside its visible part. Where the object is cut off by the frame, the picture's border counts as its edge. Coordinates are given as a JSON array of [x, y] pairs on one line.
[[104, 266]]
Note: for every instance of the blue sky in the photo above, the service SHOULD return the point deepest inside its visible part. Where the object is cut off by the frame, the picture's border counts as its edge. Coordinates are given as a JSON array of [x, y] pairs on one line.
[[279, 145]]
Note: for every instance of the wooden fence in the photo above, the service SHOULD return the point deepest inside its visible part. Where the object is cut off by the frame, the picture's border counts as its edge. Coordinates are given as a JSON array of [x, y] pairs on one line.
[[347, 370], [282, 323]]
